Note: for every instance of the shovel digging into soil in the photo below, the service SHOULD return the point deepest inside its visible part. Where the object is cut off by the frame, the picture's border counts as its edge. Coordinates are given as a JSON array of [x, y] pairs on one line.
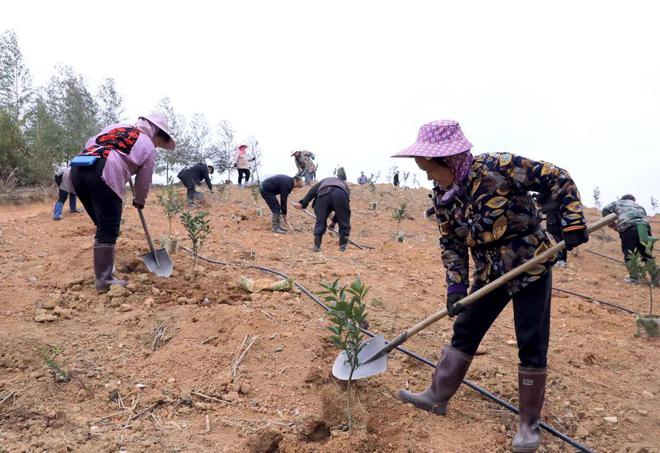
[[157, 261], [373, 356]]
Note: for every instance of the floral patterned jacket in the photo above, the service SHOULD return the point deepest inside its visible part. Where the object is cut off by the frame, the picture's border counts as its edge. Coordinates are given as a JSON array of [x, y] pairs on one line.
[[495, 216]]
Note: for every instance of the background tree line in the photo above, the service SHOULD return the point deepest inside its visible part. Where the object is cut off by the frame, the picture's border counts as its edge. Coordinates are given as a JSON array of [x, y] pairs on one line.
[[42, 127]]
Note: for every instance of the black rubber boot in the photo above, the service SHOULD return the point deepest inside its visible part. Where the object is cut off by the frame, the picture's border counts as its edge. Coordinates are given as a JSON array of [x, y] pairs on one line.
[[343, 243], [448, 376], [277, 221], [318, 239], [104, 258], [531, 391]]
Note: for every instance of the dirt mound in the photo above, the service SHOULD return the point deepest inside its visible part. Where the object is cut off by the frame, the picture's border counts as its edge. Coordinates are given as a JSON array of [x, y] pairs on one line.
[[162, 365]]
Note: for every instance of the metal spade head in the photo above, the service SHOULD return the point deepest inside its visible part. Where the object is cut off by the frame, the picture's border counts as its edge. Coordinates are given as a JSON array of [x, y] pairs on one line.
[[161, 264], [342, 369]]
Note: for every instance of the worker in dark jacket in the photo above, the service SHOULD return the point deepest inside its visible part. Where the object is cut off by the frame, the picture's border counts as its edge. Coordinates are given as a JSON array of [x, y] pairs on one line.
[[550, 208], [281, 185], [192, 176], [483, 206], [329, 195]]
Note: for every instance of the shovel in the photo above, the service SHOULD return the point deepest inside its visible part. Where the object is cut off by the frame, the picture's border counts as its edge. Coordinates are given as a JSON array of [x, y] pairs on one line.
[[373, 356], [157, 261]]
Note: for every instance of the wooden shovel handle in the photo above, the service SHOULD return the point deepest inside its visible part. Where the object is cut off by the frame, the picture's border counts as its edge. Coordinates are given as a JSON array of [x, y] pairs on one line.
[[467, 300], [144, 226]]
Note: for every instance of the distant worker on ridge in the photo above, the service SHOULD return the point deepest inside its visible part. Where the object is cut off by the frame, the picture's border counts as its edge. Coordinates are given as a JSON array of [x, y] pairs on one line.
[[306, 166], [631, 219]]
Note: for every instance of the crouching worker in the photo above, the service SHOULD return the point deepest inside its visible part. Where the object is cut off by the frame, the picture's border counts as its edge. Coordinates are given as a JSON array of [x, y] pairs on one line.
[[99, 175], [631, 221], [483, 204], [192, 176], [63, 181], [329, 195], [281, 185]]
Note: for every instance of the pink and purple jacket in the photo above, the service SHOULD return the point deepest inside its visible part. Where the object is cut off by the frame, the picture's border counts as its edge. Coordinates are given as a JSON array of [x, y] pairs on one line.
[[121, 165]]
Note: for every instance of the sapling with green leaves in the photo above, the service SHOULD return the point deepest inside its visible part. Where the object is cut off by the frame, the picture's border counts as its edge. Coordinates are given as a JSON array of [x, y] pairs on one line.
[[256, 194], [198, 228], [172, 203], [347, 313], [49, 354], [645, 271], [400, 213]]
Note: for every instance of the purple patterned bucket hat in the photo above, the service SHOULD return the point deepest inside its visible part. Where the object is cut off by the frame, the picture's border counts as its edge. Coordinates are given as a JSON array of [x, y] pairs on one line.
[[438, 139]]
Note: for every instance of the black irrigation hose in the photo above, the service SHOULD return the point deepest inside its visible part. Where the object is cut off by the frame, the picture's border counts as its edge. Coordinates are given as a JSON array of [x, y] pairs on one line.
[[604, 256], [408, 352], [594, 300]]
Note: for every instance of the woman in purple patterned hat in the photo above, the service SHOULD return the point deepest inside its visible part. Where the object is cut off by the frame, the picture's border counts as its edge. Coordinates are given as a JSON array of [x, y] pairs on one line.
[[483, 203]]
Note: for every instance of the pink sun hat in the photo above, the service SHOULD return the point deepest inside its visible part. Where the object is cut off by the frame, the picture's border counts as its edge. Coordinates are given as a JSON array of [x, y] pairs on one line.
[[438, 139], [160, 122]]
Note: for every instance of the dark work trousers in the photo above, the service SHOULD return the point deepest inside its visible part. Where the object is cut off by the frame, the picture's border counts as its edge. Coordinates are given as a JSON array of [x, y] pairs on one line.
[[62, 196], [102, 204], [243, 172], [189, 184], [531, 315], [630, 243], [553, 225], [272, 202], [334, 200]]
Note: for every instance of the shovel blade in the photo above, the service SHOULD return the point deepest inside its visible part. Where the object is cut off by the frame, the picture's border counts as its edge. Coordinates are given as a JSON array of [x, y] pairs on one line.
[[161, 264], [342, 369]]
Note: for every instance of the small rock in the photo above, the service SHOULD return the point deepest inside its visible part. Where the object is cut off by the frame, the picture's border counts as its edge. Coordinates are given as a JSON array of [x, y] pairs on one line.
[[182, 300], [143, 278], [65, 313], [155, 291], [41, 315], [117, 291], [149, 301], [125, 307], [611, 419], [116, 302], [245, 389], [76, 288], [231, 396], [51, 303], [82, 395], [133, 299], [511, 342], [131, 287], [642, 412], [37, 374]]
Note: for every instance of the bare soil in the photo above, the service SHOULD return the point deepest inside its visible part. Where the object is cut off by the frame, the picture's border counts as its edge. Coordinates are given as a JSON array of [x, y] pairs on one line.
[[151, 370]]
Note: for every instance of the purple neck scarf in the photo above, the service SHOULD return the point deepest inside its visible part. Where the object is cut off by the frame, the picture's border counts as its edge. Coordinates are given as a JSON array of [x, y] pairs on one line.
[[459, 164]]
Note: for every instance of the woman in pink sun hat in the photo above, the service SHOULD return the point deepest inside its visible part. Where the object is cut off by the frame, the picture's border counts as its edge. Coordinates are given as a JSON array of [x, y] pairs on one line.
[[99, 175], [483, 203]]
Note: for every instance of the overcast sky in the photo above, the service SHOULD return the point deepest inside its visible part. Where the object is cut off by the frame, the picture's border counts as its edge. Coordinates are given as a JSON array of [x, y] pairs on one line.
[[573, 83]]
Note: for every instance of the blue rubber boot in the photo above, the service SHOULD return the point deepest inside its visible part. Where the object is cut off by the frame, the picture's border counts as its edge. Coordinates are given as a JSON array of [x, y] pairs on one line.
[[57, 212]]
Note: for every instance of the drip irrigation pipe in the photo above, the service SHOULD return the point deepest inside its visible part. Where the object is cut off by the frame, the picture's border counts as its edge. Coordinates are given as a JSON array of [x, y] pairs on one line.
[[594, 300], [361, 247], [482, 391], [604, 256]]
